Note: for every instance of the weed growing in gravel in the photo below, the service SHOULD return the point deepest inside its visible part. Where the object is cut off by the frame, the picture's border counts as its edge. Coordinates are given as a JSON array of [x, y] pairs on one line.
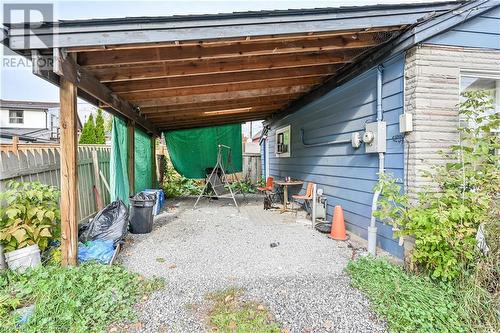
[[87, 298], [411, 303], [230, 313]]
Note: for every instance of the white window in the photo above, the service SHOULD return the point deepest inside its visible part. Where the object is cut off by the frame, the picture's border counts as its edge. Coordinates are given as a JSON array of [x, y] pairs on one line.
[[489, 82], [16, 117], [283, 139]]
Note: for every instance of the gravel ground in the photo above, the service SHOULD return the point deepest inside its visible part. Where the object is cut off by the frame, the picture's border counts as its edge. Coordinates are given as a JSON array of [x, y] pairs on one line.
[[199, 251]]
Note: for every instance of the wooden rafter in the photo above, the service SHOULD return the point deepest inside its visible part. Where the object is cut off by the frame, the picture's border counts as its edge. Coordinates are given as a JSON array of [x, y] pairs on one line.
[[211, 113], [229, 50], [67, 68], [208, 66]]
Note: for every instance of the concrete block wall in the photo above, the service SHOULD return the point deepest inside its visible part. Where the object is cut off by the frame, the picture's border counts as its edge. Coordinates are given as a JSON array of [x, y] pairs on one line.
[[432, 92]]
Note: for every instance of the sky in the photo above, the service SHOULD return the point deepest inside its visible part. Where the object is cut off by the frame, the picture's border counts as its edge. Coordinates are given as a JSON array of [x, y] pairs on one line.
[[18, 83]]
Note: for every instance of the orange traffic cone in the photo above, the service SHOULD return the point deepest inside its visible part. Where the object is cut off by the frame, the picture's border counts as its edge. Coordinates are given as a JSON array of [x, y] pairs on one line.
[[338, 224]]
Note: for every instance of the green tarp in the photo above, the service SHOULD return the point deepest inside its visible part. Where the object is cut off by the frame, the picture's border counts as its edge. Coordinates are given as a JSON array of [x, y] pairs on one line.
[[118, 161], [192, 151], [118, 172], [142, 165]]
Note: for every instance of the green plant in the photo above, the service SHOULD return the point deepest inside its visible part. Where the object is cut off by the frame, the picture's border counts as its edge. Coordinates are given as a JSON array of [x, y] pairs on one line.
[[410, 303], [29, 215], [87, 298], [175, 185], [100, 135], [229, 313], [88, 135], [243, 186], [444, 223]]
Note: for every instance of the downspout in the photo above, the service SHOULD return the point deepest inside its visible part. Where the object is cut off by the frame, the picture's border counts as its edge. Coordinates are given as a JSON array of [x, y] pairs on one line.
[[372, 229]]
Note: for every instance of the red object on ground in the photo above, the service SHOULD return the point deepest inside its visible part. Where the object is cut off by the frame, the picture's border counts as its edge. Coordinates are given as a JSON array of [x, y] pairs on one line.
[[269, 185], [338, 224]]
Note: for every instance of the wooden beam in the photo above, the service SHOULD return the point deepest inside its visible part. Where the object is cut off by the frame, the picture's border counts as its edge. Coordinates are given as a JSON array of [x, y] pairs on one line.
[[224, 96], [220, 88], [241, 49], [208, 66], [69, 174], [233, 103], [211, 113], [131, 157], [68, 69], [215, 117], [201, 111], [239, 120], [283, 38], [219, 78]]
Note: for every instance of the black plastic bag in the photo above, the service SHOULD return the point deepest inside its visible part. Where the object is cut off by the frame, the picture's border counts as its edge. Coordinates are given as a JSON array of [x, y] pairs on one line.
[[109, 224]]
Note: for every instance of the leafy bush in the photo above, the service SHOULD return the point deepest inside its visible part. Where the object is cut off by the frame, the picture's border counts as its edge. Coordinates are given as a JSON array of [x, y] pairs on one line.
[[410, 303], [243, 186], [87, 298], [175, 185], [444, 223], [29, 215]]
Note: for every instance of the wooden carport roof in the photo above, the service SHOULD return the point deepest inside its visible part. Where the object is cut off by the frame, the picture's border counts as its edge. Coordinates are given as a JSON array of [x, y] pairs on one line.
[[189, 71]]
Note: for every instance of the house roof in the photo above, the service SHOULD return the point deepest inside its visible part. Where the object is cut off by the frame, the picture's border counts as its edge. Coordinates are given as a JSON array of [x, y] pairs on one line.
[[176, 72], [27, 104]]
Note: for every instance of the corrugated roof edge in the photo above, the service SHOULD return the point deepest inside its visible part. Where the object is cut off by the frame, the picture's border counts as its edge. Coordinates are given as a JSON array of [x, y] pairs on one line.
[[234, 15]]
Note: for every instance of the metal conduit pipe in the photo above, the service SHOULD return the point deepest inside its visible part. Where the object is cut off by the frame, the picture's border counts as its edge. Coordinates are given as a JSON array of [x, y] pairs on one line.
[[372, 229]]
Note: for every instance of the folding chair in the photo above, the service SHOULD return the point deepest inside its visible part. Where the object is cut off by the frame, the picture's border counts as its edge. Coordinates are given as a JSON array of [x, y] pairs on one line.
[[307, 197], [270, 195]]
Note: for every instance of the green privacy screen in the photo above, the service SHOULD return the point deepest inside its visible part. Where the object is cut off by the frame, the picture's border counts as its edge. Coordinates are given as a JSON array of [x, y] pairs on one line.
[[118, 172], [142, 165], [118, 161], [194, 150]]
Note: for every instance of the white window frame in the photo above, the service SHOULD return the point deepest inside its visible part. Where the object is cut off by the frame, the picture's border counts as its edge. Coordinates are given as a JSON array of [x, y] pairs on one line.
[[280, 131], [11, 118], [492, 75]]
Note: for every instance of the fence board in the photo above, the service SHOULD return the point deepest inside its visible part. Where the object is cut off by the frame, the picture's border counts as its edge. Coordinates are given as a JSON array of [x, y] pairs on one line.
[[43, 164]]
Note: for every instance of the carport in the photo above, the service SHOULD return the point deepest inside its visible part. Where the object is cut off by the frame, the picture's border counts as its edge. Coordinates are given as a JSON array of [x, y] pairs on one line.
[[166, 73]]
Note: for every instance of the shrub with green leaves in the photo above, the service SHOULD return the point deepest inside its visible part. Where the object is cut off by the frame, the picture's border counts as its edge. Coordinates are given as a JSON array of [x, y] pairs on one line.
[[87, 298], [176, 185], [29, 214], [444, 223]]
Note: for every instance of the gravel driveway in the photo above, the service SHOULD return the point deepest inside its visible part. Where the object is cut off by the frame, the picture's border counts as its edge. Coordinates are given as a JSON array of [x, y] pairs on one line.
[[211, 248]]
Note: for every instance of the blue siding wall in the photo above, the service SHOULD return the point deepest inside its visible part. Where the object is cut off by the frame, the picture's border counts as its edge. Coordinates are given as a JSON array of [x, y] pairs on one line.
[[346, 175], [482, 32]]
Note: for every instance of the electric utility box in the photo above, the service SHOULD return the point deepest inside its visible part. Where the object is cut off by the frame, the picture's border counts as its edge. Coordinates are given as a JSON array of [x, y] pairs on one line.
[[375, 137]]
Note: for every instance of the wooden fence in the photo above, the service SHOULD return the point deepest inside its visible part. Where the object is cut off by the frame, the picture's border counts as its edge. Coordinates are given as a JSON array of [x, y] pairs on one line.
[[251, 167], [27, 163]]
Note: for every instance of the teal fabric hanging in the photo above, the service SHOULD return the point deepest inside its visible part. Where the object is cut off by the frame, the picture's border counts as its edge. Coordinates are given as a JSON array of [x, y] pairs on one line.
[[193, 150], [142, 161], [119, 184]]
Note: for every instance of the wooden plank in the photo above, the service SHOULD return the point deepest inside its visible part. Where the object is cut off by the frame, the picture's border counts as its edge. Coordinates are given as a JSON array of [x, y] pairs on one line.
[[216, 120], [97, 181], [212, 113], [208, 66], [67, 68], [225, 104], [69, 178], [249, 48], [218, 78], [131, 157], [220, 88], [224, 96]]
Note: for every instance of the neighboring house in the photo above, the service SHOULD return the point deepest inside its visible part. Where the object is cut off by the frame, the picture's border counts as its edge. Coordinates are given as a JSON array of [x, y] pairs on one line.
[[415, 89], [29, 121]]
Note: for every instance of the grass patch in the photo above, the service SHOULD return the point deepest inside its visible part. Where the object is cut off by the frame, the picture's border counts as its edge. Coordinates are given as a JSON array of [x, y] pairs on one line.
[[87, 298], [412, 303], [230, 313]]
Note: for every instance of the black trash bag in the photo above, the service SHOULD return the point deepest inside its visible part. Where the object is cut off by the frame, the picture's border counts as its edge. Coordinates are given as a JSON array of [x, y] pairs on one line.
[[109, 224], [143, 196]]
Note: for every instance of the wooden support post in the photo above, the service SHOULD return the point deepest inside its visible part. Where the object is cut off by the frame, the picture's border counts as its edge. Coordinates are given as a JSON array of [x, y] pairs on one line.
[[131, 156], [154, 171], [15, 143], [69, 181]]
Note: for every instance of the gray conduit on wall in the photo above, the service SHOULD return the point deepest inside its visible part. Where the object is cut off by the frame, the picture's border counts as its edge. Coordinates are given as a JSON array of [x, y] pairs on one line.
[[372, 229]]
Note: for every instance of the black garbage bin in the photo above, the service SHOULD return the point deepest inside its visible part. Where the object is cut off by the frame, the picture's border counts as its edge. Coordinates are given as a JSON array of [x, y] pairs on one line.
[[141, 213]]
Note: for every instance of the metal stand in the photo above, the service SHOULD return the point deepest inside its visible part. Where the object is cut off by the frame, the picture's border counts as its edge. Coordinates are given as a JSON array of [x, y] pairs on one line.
[[217, 182]]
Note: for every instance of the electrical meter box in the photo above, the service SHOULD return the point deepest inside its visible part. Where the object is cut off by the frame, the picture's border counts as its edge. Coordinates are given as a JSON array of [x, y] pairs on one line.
[[375, 137]]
